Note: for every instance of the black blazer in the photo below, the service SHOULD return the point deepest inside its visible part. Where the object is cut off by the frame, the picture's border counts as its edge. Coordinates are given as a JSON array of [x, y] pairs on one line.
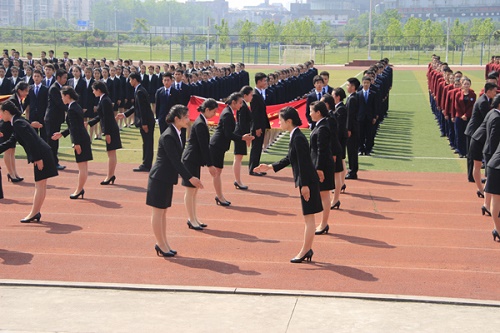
[[76, 129], [168, 163], [304, 172], [184, 93], [243, 120], [494, 161], [341, 114], [259, 114], [492, 133], [27, 137], [198, 148], [352, 112], [321, 143], [335, 142], [142, 109], [366, 109], [45, 82], [80, 89], [106, 116], [55, 108], [15, 81], [30, 81], [89, 99], [6, 86], [38, 104], [481, 108], [153, 87], [312, 97], [224, 132], [162, 105]]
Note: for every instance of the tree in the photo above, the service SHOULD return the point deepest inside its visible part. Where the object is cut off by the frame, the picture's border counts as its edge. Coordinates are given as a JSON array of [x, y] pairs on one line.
[[457, 34], [223, 33], [394, 32], [324, 33], [267, 32], [411, 32], [245, 32], [432, 34]]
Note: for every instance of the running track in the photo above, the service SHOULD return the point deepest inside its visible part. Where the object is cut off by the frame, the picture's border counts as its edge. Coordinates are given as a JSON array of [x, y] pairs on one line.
[[396, 233]]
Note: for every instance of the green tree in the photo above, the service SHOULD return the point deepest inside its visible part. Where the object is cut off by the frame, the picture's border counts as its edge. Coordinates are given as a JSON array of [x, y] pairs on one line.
[[324, 33], [245, 31], [223, 33], [267, 32], [458, 32], [411, 32], [432, 34], [394, 32]]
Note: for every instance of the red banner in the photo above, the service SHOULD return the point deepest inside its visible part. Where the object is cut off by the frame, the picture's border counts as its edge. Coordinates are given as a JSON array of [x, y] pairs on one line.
[[272, 111]]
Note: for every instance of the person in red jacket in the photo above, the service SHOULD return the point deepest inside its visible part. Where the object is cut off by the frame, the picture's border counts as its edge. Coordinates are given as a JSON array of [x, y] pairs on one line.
[[463, 104], [448, 110]]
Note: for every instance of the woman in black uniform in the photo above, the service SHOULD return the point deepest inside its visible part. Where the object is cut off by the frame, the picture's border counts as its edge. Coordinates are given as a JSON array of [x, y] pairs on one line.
[[221, 141], [79, 137], [322, 157], [38, 152], [305, 175], [196, 155], [106, 116], [165, 174], [243, 124]]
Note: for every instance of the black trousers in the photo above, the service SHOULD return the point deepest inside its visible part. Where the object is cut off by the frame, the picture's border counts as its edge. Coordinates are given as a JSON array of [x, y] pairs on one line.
[[365, 136], [50, 129], [352, 152], [147, 146], [470, 161], [256, 150]]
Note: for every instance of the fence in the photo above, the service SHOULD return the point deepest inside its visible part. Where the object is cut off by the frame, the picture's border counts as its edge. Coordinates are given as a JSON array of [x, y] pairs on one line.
[[409, 50]]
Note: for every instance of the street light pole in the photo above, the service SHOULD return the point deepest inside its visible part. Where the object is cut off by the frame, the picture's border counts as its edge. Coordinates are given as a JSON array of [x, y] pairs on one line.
[[370, 31]]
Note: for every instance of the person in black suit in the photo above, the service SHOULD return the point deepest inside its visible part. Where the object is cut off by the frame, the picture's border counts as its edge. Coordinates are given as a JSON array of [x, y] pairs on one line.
[[260, 122], [314, 96], [79, 137], [304, 174], [28, 75], [367, 117], [243, 126], [322, 157], [49, 75], [37, 152], [55, 114], [481, 108], [221, 141], [51, 58], [181, 87], [165, 98], [352, 106], [165, 174], [5, 83], [36, 104], [326, 79], [144, 119], [106, 116], [492, 187], [154, 85], [244, 76], [78, 84], [196, 155], [15, 78]]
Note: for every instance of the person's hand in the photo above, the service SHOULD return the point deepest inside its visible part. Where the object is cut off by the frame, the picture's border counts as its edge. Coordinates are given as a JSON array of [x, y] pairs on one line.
[[85, 124], [321, 175], [118, 103], [212, 170], [443, 112], [39, 164], [453, 120], [120, 116], [262, 168], [108, 139], [56, 136], [258, 132], [247, 137], [349, 133], [446, 117], [95, 108], [374, 120], [306, 193], [145, 128], [196, 182], [36, 124], [78, 149], [464, 118], [1, 135], [334, 159]]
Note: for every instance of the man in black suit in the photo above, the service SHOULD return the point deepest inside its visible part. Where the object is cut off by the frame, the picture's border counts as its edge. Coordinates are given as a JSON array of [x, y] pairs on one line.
[[314, 96], [37, 103], [367, 117], [181, 87], [144, 119], [481, 108], [30, 60], [49, 75], [244, 76], [52, 59], [326, 78], [352, 127], [165, 98], [260, 122], [5, 83], [55, 114]]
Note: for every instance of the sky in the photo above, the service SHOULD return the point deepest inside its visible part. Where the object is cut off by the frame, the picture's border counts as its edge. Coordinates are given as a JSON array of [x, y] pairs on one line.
[[242, 3]]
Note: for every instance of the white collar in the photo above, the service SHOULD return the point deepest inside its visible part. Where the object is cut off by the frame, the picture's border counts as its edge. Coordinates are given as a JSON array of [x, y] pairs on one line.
[[291, 133], [205, 118], [317, 123], [337, 104]]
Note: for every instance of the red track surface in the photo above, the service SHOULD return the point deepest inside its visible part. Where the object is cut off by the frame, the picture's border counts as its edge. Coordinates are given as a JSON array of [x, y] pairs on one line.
[[396, 233]]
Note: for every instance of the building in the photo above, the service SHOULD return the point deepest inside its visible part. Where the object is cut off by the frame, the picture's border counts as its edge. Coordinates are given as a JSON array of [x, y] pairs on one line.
[[28, 12], [444, 9], [264, 11], [334, 12]]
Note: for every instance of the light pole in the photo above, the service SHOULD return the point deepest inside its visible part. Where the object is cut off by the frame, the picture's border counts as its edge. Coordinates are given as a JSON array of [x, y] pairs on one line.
[[370, 31]]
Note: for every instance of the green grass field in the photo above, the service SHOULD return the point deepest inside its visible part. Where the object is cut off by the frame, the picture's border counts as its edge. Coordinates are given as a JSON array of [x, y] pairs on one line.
[[408, 140]]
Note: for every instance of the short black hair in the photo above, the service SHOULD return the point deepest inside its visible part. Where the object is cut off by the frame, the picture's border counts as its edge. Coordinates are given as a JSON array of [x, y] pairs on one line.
[[354, 81], [260, 76], [289, 112]]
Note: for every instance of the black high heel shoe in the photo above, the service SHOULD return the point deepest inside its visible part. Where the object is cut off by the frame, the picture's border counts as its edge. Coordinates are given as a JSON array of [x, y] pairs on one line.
[[109, 181], [203, 225], [222, 203], [76, 196], [342, 189], [191, 226], [485, 210], [36, 217], [240, 187], [160, 253], [495, 235], [324, 231], [307, 257], [336, 205], [479, 194], [14, 179]]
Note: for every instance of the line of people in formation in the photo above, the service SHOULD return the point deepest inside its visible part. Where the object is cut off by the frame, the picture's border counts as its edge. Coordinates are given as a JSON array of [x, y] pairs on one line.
[[334, 125], [471, 123]]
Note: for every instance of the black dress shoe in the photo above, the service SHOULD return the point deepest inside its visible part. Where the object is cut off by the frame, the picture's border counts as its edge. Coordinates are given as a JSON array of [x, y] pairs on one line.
[[60, 167], [36, 217], [351, 176], [259, 174], [141, 168], [240, 187]]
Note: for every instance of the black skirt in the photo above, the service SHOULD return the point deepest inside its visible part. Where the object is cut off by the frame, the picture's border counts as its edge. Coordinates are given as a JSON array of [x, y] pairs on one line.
[[49, 166], [339, 166], [493, 181], [328, 183], [7, 130], [217, 157], [194, 169], [116, 141], [343, 144], [314, 204], [475, 150], [159, 194], [240, 147], [86, 154]]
